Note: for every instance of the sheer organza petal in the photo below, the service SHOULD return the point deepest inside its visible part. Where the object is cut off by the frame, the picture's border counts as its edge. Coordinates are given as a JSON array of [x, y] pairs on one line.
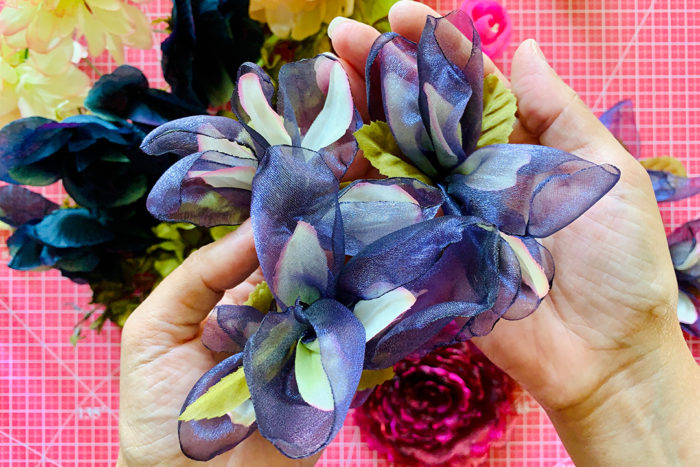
[[619, 119], [669, 187], [203, 440], [19, 205], [684, 246], [228, 327], [450, 68], [688, 306], [292, 183], [392, 95], [528, 190], [268, 89], [314, 98], [372, 209], [201, 133], [284, 418], [458, 277], [206, 189]]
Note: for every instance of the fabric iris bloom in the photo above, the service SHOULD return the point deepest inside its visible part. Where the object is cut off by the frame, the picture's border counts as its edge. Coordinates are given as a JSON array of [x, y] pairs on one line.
[[303, 359], [508, 195], [684, 243], [211, 184]]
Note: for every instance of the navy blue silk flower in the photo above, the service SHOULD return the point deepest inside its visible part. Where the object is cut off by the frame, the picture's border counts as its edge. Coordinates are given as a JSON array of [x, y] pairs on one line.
[[619, 119], [99, 162], [304, 357], [430, 94], [684, 243], [125, 95]]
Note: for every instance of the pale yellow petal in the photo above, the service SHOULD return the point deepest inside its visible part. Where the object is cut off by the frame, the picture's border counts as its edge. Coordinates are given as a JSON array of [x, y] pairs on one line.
[[141, 37]]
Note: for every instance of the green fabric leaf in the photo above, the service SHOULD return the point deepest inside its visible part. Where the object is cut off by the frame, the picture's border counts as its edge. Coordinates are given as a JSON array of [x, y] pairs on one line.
[[374, 13], [380, 149], [223, 397], [372, 378], [221, 231], [500, 106], [260, 298]]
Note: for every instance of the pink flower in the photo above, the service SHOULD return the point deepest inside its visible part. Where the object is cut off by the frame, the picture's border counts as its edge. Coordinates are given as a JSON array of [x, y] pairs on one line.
[[492, 23], [446, 408]]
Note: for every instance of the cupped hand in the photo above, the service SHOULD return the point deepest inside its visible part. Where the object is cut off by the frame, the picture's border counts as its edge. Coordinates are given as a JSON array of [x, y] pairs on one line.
[[610, 316], [163, 356]]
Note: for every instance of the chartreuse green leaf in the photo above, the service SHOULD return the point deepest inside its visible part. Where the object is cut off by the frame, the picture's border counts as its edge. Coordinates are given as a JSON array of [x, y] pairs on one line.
[[380, 149], [220, 231], [260, 298], [666, 164], [372, 378], [223, 397], [374, 12], [498, 119]]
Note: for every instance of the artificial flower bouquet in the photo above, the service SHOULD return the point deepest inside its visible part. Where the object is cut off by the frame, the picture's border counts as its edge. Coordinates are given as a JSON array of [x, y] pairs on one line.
[[359, 274]]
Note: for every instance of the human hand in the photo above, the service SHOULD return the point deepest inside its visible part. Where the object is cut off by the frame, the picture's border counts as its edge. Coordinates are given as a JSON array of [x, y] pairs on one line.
[[609, 323], [163, 356]]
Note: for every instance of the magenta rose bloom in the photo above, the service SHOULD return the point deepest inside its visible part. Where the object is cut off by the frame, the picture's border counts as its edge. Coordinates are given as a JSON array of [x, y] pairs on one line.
[[492, 22], [446, 408]]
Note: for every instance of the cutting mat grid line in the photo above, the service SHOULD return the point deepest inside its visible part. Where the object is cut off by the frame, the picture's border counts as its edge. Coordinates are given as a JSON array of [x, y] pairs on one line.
[[59, 404]]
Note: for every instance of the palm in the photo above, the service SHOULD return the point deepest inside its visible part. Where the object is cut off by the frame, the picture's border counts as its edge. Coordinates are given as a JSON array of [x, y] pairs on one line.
[[608, 250]]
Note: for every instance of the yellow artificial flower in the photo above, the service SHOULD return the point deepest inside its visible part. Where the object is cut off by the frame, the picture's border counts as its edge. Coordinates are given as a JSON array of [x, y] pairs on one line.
[[298, 19], [47, 85], [40, 25]]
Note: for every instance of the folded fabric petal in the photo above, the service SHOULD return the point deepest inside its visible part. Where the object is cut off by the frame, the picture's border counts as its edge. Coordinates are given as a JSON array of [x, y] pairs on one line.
[[208, 189], [24, 248], [372, 209], [228, 327], [200, 133], [293, 183], [619, 119], [688, 306], [528, 190], [205, 439], [669, 187], [294, 426], [451, 74], [450, 264], [392, 95], [319, 114], [684, 246], [19, 205]]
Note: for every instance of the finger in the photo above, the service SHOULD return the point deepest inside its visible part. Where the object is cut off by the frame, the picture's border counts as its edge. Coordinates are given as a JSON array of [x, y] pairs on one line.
[[172, 313], [551, 111], [408, 19], [352, 42], [240, 293], [357, 88]]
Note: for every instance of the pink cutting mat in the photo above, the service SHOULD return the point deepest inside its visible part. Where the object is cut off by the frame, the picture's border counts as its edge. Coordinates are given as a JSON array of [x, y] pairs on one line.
[[59, 404]]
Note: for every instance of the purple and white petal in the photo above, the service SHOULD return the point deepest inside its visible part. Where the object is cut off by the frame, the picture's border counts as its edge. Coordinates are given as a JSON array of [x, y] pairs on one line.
[[206, 189], [228, 327], [200, 133], [372, 209], [669, 187], [528, 190]]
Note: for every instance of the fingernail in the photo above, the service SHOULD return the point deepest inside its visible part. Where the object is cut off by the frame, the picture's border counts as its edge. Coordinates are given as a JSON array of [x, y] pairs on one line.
[[536, 48], [337, 21]]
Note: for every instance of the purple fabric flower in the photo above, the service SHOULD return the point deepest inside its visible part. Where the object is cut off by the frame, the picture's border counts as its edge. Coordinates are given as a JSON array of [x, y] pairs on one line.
[[685, 253], [430, 94], [211, 184], [619, 119], [492, 22], [303, 359], [446, 408]]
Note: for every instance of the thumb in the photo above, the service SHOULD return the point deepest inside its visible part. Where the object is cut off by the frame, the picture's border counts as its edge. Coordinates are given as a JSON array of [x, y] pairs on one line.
[[553, 112], [172, 314]]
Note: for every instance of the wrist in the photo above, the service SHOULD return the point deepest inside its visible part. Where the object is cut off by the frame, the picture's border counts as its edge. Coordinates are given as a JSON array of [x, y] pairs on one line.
[[645, 413]]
